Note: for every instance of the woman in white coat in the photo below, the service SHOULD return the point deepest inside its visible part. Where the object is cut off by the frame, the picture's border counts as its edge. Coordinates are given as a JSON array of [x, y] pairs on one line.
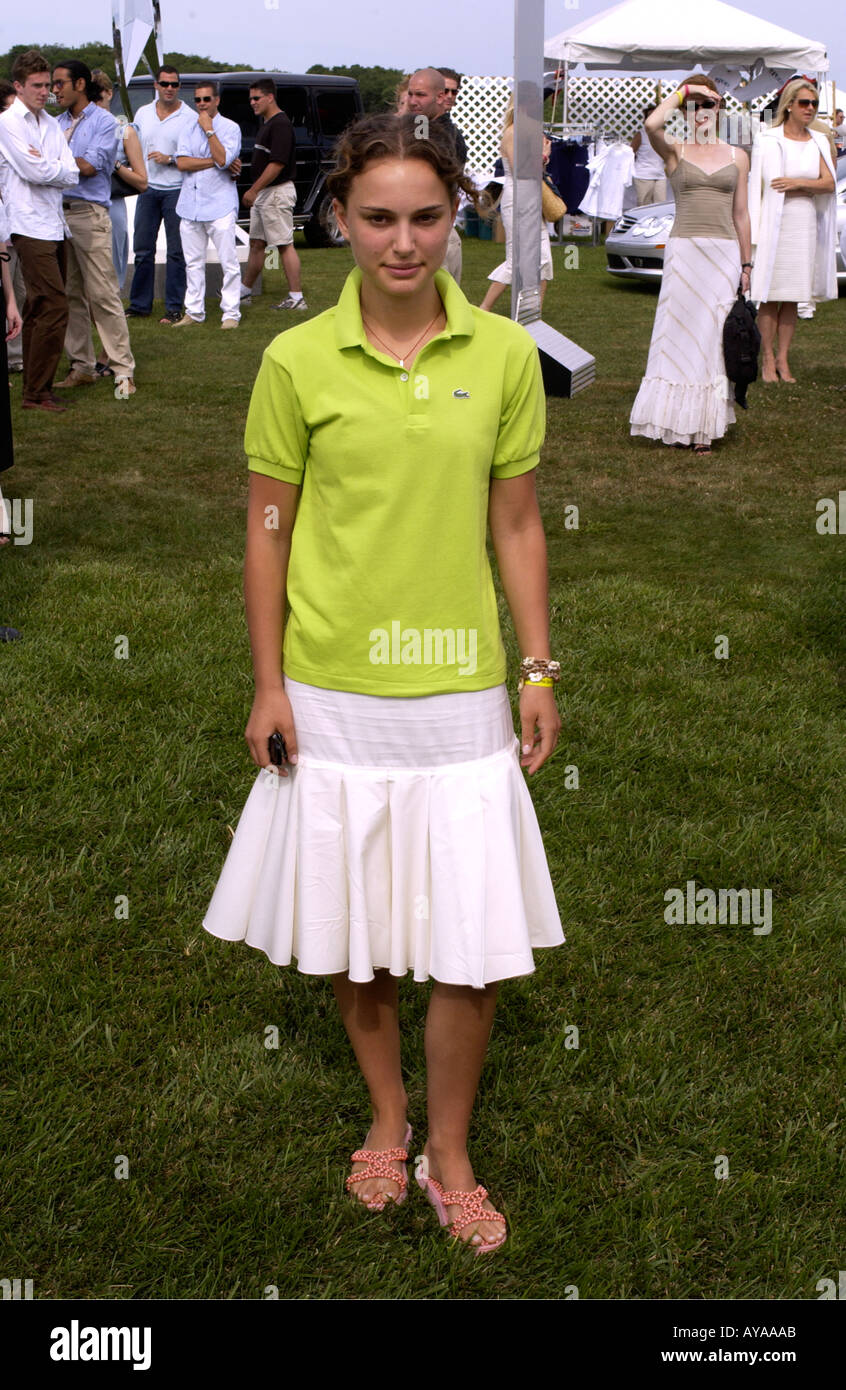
[[793, 216]]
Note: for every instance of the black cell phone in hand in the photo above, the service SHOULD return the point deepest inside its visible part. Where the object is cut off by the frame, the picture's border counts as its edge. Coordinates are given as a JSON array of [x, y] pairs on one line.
[[277, 750]]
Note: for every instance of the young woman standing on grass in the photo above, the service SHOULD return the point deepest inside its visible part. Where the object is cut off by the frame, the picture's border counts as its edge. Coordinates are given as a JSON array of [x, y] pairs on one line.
[[382, 436], [685, 397]]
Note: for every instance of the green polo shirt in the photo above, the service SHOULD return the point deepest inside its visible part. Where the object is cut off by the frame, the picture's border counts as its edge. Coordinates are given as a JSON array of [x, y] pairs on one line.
[[389, 586]]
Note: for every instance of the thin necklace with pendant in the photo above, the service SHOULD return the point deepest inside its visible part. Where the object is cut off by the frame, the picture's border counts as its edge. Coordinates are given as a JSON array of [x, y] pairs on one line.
[[407, 351]]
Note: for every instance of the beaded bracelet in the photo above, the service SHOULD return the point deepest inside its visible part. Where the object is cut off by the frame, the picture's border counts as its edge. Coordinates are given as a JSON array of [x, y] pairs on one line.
[[538, 671]]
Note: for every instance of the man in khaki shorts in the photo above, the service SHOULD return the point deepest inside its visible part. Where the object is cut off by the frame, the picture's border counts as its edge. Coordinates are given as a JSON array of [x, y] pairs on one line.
[[271, 196]]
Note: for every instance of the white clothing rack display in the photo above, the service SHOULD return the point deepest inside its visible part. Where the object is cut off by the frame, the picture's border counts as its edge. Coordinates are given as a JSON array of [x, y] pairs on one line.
[[567, 130]]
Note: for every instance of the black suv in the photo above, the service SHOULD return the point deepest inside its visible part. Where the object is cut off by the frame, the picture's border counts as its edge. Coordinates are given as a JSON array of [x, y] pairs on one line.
[[319, 106]]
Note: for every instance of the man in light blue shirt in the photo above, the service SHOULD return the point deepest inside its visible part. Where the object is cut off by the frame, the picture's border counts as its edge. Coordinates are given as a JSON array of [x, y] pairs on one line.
[[208, 207], [93, 138], [92, 287], [160, 127]]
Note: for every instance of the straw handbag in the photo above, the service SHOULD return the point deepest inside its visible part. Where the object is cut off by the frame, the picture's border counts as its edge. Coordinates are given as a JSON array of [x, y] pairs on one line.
[[552, 204]]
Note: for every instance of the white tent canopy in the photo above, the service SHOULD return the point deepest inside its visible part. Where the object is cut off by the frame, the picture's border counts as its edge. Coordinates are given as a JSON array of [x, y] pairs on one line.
[[650, 35]]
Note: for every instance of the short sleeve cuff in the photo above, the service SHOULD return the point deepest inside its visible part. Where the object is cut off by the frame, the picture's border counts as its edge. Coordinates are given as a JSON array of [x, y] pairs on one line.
[[285, 473], [513, 470]]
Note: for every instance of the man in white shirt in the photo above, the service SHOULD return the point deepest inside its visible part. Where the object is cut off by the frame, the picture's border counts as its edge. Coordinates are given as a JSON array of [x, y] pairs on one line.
[[208, 206], [38, 165], [160, 127]]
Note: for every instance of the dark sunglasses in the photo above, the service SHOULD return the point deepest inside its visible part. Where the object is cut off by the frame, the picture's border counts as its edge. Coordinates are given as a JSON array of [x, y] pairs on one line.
[[705, 104], [204, 98], [807, 101], [168, 84]]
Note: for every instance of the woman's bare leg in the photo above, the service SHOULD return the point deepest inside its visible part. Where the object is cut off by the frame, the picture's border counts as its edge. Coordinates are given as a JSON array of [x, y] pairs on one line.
[[787, 316], [494, 291], [767, 322], [370, 1014], [458, 1026]]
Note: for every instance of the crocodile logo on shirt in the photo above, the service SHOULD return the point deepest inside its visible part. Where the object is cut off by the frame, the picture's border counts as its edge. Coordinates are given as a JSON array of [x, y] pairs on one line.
[[461, 395]]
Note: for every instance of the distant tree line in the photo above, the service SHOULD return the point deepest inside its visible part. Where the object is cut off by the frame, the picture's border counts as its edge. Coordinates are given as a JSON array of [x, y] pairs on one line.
[[377, 84], [101, 55]]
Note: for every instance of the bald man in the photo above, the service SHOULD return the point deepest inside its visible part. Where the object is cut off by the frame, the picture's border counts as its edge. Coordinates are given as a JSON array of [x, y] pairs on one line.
[[427, 96]]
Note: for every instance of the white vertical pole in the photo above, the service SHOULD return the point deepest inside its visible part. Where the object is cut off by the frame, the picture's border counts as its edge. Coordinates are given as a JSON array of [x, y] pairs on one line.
[[528, 159]]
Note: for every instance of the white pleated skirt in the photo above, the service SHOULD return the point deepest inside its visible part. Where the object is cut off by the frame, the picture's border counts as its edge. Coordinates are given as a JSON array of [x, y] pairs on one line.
[[404, 839], [685, 396], [792, 279]]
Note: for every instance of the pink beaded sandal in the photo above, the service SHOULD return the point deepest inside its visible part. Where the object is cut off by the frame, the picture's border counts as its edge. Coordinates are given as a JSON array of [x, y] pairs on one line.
[[471, 1204], [379, 1165]]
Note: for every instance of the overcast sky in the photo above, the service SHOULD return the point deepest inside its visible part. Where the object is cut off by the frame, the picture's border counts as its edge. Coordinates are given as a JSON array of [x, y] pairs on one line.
[[474, 36]]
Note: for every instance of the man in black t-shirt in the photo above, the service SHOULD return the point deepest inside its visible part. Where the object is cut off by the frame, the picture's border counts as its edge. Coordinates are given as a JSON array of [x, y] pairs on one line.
[[271, 196], [452, 86]]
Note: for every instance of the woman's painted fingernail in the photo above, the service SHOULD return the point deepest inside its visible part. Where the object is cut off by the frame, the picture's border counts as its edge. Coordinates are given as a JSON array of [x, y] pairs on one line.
[[527, 748], [293, 758]]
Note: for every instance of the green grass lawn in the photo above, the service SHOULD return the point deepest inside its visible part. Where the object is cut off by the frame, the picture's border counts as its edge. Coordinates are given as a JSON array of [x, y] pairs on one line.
[[128, 1031]]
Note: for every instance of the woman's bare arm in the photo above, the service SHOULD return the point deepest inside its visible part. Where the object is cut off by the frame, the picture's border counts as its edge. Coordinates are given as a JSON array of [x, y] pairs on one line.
[[740, 212], [520, 547], [654, 127], [271, 511], [823, 184], [135, 173]]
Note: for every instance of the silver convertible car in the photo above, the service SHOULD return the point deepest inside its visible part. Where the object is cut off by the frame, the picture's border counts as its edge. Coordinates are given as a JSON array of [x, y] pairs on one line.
[[635, 247]]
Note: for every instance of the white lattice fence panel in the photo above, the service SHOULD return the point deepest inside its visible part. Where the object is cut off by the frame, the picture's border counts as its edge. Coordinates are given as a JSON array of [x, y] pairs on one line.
[[478, 112], [616, 104]]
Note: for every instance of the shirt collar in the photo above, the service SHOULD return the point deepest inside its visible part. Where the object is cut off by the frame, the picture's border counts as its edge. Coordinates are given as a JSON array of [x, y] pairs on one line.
[[349, 329], [178, 110], [21, 109], [83, 115]]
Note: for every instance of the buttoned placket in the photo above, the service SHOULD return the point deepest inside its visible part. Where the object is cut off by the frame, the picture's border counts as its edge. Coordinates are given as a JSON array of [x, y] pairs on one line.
[[405, 377]]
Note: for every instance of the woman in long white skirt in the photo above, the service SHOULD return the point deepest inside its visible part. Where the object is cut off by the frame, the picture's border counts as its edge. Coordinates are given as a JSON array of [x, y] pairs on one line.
[[399, 834], [685, 397]]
